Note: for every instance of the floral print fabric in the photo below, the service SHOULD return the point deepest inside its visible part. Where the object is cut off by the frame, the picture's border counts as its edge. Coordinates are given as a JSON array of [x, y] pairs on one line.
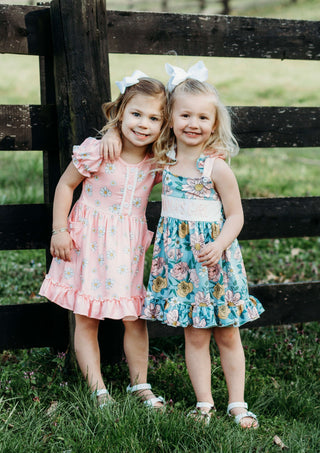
[[110, 236], [182, 292]]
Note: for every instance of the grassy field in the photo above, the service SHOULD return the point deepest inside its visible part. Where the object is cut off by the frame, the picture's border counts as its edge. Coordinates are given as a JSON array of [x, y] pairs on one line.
[[45, 407], [44, 404]]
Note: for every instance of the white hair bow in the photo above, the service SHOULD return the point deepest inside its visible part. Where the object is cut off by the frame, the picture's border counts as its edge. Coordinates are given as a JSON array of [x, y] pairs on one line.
[[198, 71], [130, 80]]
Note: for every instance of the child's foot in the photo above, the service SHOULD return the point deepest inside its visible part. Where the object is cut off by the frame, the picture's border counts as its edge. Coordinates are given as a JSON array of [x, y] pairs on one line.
[[103, 397], [144, 392], [242, 417], [203, 412]]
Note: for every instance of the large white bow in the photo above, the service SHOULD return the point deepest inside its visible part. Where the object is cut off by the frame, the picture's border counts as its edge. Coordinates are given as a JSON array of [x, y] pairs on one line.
[[130, 80], [198, 71]]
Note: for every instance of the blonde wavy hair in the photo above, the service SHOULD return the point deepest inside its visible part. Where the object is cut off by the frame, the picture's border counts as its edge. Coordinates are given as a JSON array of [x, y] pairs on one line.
[[113, 111], [221, 141]]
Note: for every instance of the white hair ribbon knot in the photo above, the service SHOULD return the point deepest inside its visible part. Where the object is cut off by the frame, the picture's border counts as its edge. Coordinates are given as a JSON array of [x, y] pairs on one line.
[[198, 72], [130, 80]]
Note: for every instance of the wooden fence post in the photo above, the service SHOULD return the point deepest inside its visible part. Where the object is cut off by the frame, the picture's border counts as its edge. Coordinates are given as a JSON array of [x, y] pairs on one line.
[[164, 5], [202, 5], [81, 69], [226, 7]]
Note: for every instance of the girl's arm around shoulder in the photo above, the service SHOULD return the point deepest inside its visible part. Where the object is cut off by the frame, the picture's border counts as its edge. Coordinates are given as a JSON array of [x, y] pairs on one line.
[[61, 243], [111, 144], [227, 187]]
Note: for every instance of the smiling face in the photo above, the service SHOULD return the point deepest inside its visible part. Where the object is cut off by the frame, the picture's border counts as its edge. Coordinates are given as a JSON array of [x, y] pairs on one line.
[[193, 119], [141, 121]]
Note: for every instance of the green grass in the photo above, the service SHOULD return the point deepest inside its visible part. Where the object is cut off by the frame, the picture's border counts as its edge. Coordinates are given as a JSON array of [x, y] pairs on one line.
[[283, 388], [22, 180]]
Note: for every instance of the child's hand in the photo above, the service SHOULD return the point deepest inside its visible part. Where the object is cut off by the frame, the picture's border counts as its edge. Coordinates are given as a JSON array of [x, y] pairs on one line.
[[211, 152], [111, 145], [61, 246], [210, 254]]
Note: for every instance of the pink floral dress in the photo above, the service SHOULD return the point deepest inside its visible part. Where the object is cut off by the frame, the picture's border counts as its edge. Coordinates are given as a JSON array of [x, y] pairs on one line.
[[109, 230]]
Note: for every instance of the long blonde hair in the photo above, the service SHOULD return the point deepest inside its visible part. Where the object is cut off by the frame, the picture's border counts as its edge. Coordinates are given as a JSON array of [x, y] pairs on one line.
[[113, 111], [221, 140]]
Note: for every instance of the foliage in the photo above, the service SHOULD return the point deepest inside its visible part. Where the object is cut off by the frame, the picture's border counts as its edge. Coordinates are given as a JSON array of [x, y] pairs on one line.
[[46, 407]]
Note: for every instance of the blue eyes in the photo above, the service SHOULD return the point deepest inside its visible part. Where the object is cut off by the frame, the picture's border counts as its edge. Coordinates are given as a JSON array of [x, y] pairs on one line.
[[201, 117], [152, 118]]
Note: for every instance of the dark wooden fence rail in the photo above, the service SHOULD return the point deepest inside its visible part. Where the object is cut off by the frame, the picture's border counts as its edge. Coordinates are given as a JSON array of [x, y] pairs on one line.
[[72, 39]]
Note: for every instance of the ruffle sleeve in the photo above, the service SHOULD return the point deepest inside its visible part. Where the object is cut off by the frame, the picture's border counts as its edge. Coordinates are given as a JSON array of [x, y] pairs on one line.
[[87, 157]]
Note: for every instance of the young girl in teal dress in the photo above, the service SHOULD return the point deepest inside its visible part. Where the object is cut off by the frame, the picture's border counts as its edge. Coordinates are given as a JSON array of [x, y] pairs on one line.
[[198, 279]]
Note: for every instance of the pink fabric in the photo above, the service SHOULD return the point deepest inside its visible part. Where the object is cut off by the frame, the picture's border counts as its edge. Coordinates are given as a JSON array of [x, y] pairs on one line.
[[108, 226]]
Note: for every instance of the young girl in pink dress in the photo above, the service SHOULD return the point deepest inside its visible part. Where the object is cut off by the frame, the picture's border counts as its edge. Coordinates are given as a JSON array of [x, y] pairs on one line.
[[99, 250]]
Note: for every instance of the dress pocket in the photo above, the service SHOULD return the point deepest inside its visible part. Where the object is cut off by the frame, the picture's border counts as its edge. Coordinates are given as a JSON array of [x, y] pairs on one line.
[[75, 231]]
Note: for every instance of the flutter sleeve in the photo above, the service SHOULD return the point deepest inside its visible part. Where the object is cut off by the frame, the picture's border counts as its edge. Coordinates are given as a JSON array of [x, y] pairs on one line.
[[87, 157]]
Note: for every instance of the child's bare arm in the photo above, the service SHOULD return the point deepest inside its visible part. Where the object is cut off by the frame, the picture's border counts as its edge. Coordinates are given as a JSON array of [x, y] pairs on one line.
[[111, 144], [227, 187], [61, 242]]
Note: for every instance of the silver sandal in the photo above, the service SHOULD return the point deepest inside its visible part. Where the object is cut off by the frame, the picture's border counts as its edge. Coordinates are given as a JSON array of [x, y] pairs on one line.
[[107, 401], [151, 402], [200, 415], [239, 417]]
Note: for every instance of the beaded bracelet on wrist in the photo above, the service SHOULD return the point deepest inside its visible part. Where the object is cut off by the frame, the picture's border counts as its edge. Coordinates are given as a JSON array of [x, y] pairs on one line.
[[59, 230]]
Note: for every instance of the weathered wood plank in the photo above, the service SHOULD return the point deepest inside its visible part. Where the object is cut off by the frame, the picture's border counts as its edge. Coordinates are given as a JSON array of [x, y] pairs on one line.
[[268, 127], [82, 80], [219, 36], [267, 218], [51, 162], [26, 226], [33, 325], [25, 30], [39, 325], [29, 226], [281, 217], [46, 325], [35, 127], [28, 127], [81, 65], [284, 304]]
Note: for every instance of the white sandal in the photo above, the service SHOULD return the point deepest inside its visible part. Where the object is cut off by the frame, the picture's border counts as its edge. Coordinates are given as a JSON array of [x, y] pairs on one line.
[[107, 401], [151, 402], [204, 416], [239, 417]]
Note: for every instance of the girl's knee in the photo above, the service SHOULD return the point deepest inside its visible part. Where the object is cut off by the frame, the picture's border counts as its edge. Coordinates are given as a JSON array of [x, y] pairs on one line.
[[197, 338], [137, 325], [84, 323], [226, 336]]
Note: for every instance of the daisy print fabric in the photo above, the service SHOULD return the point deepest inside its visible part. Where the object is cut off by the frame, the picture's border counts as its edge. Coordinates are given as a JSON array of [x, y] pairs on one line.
[[110, 237]]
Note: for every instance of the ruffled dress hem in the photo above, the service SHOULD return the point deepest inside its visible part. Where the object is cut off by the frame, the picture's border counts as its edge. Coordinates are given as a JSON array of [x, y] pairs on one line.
[[127, 309], [176, 315]]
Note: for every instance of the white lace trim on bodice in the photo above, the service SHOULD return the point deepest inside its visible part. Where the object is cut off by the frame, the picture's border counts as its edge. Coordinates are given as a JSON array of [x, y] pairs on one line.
[[191, 209]]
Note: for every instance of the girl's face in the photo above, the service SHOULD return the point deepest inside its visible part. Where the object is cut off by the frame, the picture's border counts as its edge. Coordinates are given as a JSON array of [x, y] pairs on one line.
[[193, 118], [141, 120]]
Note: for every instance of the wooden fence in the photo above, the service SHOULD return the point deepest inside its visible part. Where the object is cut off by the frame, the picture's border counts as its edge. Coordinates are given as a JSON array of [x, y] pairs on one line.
[[72, 39]]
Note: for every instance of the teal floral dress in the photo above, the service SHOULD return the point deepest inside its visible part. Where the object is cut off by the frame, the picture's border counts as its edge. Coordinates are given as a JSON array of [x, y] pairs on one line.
[[182, 292]]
